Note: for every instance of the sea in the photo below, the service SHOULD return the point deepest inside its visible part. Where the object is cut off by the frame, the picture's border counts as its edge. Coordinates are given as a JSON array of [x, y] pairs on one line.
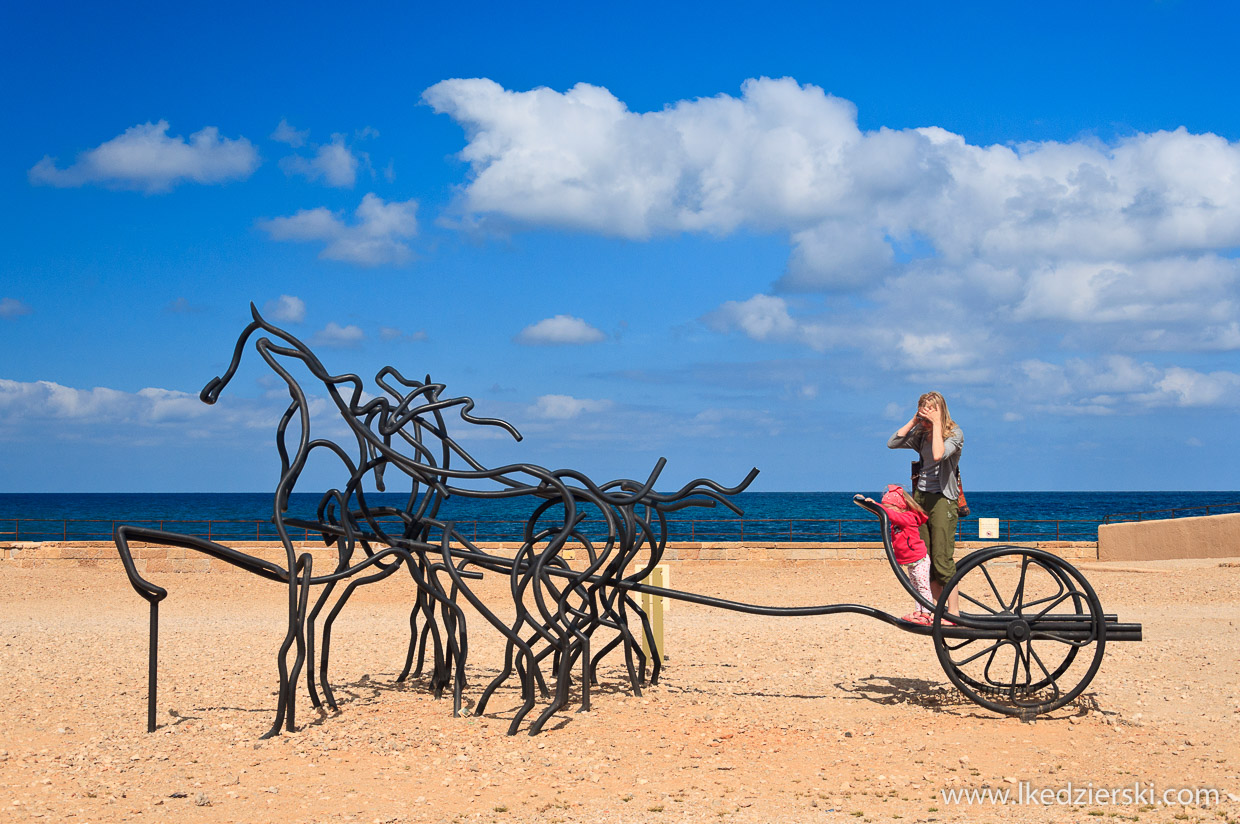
[[784, 516]]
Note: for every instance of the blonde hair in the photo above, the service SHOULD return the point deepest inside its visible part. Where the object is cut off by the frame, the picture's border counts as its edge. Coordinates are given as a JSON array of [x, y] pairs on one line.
[[949, 426], [910, 503]]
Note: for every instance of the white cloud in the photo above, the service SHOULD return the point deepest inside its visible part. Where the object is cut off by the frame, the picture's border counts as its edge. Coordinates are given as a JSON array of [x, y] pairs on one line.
[[997, 367], [1116, 384], [581, 159], [720, 422], [1185, 387], [39, 411], [790, 158], [1223, 337], [286, 308], [566, 407], [938, 351], [1135, 238], [837, 255], [766, 318], [560, 330], [182, 306], [12, 308], [334, 164], [375, 237], [762, 317], [341, 336], [147, 159], [170, 405], [392, 334], [49, 400], [1167, 290], [285, 133]]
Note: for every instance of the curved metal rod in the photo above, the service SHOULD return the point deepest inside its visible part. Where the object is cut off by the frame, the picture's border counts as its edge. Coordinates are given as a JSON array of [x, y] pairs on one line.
[[565, 615], [884, 521]]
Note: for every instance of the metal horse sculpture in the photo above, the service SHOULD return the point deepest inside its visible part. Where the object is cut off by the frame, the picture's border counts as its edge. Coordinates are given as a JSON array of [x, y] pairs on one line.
[[575, 617], [1031, 640]]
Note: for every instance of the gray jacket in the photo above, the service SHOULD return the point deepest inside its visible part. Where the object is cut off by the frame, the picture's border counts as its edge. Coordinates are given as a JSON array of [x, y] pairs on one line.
[[945, 472]]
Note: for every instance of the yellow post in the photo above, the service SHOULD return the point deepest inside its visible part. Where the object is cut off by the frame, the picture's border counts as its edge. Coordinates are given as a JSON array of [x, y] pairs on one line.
[[654, 606]]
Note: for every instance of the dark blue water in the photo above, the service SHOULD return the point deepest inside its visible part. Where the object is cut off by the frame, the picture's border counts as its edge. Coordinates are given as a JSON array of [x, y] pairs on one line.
[[796, 516]]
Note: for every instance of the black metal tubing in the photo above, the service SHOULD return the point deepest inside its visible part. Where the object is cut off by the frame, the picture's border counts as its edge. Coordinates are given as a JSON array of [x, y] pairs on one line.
[[566, 618], [1114, 630], [1020, 672], [560, 611]]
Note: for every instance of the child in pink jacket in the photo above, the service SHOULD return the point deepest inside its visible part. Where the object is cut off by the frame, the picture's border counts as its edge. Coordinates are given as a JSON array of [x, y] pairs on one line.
[[911, 554]]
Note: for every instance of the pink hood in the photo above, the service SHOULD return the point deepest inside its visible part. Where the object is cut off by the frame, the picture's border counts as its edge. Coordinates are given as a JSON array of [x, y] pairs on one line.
[[894, 497]]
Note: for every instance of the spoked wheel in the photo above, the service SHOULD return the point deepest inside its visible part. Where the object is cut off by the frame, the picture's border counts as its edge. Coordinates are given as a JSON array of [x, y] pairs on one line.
[[1030, 634]]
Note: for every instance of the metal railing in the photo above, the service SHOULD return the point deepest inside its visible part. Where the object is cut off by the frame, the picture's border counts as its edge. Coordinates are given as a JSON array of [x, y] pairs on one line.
[[792, 530], [1175, 512]]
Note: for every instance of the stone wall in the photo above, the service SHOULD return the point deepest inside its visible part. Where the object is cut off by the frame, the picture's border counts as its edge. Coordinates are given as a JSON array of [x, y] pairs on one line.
[[160, 559], [1209, 536]]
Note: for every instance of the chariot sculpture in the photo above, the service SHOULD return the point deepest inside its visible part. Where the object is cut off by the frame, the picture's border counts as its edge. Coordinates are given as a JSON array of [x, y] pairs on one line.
[[1029, 640]]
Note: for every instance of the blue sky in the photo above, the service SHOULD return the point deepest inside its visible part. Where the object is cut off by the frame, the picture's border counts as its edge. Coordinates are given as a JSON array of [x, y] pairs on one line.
[[728, 235]]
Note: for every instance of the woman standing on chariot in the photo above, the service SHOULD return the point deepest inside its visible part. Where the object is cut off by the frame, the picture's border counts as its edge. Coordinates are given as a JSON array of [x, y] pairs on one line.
[[936, 486]]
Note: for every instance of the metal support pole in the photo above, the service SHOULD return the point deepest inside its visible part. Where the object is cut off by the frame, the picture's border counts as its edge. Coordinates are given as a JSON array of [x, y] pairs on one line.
[[152, 668], [654, 606]]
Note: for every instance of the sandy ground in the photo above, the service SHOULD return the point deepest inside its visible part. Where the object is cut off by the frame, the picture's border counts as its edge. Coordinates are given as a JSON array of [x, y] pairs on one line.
[[823, 719]]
